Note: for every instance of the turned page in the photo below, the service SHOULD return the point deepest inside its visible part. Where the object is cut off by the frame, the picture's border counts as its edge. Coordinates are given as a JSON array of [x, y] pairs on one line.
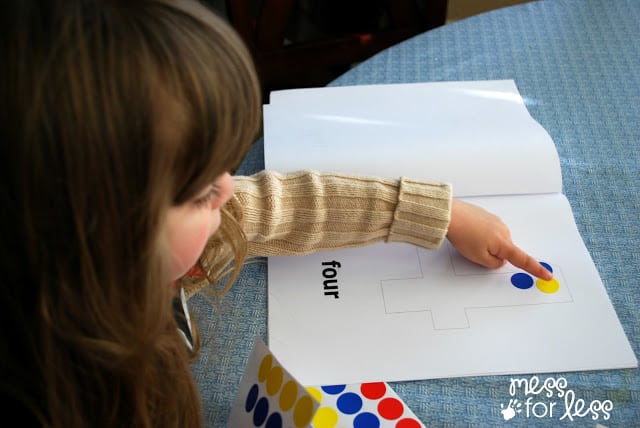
[[478, 136]]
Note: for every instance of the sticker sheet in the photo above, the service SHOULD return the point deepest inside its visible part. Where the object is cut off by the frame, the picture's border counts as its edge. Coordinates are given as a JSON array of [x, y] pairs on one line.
[[270, 397]]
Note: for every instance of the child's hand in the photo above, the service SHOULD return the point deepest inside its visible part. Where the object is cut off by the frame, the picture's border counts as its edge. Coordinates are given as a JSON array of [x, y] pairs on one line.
[[484, 239]]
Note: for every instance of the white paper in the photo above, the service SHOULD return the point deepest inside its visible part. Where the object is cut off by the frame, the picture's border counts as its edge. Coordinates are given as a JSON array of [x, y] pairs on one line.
[[478, 136], [396, 312]]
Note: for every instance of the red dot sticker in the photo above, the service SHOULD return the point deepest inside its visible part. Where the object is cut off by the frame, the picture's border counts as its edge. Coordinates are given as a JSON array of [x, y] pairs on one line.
[[373, 390], [408, 423], [390, 408]]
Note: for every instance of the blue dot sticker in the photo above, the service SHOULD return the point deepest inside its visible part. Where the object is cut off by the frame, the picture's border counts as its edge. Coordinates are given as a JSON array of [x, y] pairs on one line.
[[547, 266], [334, 389], [261, 412], [274, 421], [522, 280], [349, 403], [366, 420], [252, 397]]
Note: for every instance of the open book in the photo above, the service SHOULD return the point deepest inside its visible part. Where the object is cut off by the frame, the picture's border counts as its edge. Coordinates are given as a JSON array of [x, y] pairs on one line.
[[397, 312]]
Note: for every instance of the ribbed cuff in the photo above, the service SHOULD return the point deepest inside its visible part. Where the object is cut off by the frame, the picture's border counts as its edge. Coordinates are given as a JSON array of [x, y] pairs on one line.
[[422, 215]]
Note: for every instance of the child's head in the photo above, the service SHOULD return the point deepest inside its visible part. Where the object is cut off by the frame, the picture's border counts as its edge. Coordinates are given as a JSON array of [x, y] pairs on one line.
[[116, 115]]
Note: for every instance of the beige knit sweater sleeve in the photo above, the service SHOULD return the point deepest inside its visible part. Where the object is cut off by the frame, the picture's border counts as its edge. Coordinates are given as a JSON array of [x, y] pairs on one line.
[[304, 212], [307, 211]]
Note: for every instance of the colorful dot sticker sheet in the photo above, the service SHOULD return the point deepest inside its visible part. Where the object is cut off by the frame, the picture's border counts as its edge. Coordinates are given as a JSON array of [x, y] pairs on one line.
[[269, 396], [366, 405]]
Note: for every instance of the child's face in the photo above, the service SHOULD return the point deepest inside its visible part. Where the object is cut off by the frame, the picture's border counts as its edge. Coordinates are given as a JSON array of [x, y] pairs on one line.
[[191, 224]]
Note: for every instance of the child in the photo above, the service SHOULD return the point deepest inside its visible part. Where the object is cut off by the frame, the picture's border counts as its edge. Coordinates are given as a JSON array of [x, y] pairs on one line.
[[121, 121]]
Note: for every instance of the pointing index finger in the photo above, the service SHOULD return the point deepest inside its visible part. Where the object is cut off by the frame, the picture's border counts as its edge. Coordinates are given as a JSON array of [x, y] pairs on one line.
[[519, 258]]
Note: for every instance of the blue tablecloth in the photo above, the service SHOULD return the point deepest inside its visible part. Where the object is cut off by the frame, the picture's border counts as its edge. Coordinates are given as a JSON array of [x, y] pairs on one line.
[[577, 64]]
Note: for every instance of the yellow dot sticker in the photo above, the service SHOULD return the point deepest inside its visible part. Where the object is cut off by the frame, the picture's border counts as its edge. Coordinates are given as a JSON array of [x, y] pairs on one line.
[[325, 417], [303, 411], [549, 287], [274, 380], [265, 367], [315, 393], [288, 395]]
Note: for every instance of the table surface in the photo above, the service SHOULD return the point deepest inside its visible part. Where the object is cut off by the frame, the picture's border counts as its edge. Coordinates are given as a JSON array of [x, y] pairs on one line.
[[577, 64]]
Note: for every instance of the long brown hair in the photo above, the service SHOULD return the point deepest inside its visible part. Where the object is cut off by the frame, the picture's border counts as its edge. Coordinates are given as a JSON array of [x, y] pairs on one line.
[[112, 112]]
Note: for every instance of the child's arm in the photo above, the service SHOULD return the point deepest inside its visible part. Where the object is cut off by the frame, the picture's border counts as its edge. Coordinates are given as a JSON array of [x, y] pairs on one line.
[[300, 213], [307, 212]]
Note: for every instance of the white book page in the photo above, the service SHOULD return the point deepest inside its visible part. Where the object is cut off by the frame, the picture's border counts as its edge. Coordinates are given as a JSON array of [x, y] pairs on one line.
[[397, 312], [478, 136]]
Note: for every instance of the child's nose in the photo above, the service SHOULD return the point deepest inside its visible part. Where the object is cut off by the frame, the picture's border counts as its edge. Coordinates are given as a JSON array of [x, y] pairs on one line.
[[225, 186]]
